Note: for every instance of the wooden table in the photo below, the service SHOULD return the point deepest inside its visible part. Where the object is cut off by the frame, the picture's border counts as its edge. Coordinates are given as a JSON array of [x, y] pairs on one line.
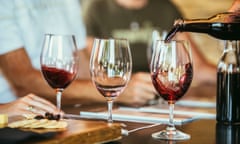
[[201, 131]]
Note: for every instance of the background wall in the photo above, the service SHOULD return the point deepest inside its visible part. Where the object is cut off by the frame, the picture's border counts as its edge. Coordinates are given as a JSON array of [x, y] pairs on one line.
[[202, 8]]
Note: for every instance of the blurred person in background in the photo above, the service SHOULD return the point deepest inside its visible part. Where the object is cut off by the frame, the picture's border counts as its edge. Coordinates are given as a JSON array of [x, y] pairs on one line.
[[131, 19], [22, 28], [135, 20], [23, 24]]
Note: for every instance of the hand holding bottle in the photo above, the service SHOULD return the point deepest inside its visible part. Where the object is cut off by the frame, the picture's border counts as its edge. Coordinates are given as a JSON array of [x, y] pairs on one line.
[[235, 6]]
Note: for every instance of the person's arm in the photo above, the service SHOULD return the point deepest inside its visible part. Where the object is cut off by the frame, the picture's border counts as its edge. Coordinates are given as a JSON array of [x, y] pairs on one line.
[[17, 68], [235, 6]]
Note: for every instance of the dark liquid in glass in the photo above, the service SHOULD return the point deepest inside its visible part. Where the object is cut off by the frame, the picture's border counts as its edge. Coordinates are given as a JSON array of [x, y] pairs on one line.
[[57, 78], [172, 92], [228, 97]]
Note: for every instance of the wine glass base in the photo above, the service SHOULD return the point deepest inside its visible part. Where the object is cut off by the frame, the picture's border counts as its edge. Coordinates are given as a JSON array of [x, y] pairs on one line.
[[166, 135]]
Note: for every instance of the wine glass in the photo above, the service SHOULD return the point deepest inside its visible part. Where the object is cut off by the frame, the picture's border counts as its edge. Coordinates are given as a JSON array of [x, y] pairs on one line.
[[111, 68], [59, 62], [157, 34], [172, 72]]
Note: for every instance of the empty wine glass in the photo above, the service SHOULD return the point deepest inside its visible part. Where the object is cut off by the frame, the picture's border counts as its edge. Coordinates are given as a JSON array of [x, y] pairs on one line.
[[110, 67], [172, 73], [59, 62]]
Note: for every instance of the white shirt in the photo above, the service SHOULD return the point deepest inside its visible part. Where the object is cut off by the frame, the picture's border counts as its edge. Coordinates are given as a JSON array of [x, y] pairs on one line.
[[23, 23]]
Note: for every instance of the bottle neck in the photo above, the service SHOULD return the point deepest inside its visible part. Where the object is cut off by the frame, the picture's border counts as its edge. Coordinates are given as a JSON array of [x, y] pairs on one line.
[[224, 17], [193, 25], [225, 26]]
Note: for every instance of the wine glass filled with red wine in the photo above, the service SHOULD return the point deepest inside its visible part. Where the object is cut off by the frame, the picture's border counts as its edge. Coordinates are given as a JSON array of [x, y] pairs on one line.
[[172, 72], [110, 67], [59, 62]]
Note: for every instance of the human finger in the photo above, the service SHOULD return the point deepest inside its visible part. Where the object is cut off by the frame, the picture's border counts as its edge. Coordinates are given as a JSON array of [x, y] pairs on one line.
[[41, 100], [40, 105]]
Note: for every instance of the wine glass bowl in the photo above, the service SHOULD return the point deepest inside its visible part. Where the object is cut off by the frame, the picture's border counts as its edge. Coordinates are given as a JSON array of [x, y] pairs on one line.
[[157, 34], [59, 62], [57, 78], [110, 68], [172, 72]]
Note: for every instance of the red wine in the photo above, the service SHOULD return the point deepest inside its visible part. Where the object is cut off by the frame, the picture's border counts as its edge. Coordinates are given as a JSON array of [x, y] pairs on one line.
[[228, 97], [57, 78], [172, 91]]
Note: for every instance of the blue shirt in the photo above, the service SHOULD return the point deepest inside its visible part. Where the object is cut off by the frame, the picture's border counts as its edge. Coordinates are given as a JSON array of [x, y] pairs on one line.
[[23, 23]]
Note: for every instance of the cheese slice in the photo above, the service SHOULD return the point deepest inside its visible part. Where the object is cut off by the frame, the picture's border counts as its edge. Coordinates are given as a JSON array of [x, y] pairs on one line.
[[3, 119]]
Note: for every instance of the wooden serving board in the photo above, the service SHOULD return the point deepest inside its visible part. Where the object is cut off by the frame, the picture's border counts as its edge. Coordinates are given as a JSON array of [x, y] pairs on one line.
[[77, 131], [86, 132]]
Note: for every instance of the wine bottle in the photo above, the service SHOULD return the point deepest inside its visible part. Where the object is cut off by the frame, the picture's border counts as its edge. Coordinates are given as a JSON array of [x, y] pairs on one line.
[[228, 84], [225, 26], [227, 134]]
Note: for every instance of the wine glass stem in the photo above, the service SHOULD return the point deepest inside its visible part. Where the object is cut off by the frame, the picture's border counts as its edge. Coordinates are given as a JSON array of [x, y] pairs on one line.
[[59, 96], [171, 116], [110, 105]]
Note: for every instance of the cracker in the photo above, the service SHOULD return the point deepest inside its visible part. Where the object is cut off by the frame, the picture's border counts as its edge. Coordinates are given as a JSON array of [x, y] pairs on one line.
[[43, 123], [20, 123]]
